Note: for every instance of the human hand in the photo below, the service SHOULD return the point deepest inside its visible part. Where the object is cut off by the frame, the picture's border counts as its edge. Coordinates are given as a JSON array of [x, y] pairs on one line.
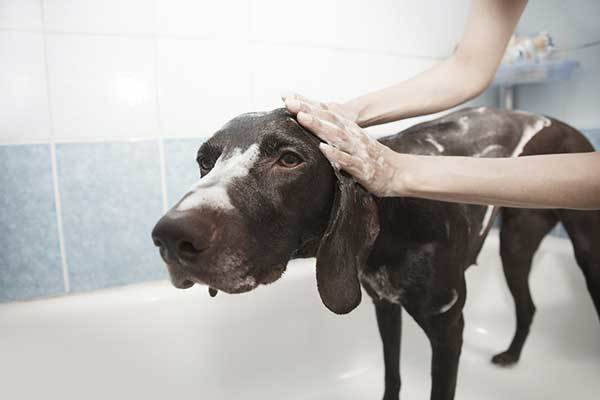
[[348, 147], [341, 109]]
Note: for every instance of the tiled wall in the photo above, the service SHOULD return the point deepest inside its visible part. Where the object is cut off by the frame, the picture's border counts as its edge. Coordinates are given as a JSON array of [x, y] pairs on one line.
[[103, 104]]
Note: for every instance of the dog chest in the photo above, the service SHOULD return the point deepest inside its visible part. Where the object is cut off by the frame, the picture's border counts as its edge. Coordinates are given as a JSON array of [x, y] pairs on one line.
[[379, 285]]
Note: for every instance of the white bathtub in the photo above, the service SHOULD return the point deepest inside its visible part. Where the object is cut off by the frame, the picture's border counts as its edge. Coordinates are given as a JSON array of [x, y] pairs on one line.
[[152, 341]]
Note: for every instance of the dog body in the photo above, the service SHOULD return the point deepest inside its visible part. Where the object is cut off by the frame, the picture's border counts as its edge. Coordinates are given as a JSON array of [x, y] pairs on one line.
[[407, 253]]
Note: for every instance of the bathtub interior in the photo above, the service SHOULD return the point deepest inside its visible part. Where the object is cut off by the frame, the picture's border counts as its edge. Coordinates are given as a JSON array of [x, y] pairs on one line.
[[152, 341]]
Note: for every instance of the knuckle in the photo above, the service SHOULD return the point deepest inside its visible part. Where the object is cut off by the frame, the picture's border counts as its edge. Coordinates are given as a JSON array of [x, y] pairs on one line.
[[338, 132], [335, 118], [303, 106]]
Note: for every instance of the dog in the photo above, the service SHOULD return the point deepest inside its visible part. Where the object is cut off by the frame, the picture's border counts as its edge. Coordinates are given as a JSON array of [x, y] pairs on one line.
[[267, 195]]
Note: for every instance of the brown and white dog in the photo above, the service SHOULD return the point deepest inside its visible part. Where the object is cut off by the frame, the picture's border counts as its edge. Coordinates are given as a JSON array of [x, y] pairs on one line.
[[267, 195]]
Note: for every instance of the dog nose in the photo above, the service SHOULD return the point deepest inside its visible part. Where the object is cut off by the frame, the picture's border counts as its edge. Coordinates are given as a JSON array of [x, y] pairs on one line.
[[180, 239]]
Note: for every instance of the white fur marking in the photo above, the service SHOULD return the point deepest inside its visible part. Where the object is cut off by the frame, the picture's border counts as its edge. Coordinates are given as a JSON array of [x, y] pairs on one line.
[[211, 190], [486, 219], [379, 282], [528, 134], [248, 281], [487, 150], [435, 143], [448, 306]]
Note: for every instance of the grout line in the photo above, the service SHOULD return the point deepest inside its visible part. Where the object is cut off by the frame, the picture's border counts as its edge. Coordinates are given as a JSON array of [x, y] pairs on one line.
[[215, 36], [106, 139], [163, 174], [54, 163], [591, 129], [59, 221], [218, 38], [159, 122]]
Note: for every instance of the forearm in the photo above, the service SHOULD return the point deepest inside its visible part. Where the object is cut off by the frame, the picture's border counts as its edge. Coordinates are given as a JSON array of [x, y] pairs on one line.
[[546, 181], [459, 78], [426, 93]]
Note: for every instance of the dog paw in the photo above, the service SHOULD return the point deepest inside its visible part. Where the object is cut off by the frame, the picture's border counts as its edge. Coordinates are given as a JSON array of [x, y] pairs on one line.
[[505, 359]]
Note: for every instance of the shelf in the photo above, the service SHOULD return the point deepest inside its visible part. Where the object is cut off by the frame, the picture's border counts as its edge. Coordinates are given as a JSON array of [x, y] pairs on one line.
[[547, 71]]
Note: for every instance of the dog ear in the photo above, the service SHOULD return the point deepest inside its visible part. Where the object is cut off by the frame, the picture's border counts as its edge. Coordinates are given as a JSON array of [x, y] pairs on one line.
[[346, 244]]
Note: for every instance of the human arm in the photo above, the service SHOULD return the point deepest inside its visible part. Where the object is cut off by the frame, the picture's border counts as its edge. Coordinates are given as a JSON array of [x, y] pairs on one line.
[[545, 181], [459, 78], [541, 181]]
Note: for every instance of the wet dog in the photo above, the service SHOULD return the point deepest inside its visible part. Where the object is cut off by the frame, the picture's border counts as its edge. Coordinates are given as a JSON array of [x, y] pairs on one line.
[[267, 195]]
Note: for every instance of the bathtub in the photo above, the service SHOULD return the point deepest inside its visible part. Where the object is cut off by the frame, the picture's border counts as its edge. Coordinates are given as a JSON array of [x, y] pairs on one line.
[[152, 341]]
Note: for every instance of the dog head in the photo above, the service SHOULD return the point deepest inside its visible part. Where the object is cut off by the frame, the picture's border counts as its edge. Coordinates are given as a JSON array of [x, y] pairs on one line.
[[266, 194]]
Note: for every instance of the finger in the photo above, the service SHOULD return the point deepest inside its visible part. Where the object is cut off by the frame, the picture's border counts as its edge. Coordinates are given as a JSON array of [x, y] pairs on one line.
[[312, 102], [328, 132], [296, 106], [294, 97], [341, 160], [296, 103]]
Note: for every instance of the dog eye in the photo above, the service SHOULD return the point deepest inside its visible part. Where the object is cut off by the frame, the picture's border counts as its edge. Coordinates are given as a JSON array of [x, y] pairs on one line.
[[205, 164], [289, 160]]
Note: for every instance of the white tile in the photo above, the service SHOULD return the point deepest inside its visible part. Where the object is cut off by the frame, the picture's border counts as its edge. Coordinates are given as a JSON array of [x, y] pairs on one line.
[[336, 75], [569, 23], [94, 16], [23, 95], [102, 86], [224, 18], [202, 84], [325, 74], [279, 69], [20, 14], [422, 28]]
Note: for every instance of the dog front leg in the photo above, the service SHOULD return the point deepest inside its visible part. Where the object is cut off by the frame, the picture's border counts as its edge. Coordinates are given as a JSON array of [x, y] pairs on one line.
[[446, 343], [389, 322]]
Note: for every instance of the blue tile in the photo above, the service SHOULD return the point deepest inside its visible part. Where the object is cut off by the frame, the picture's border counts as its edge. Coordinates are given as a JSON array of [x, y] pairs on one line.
[[181, 170], [30, 262], [111, 198], [594, 136]]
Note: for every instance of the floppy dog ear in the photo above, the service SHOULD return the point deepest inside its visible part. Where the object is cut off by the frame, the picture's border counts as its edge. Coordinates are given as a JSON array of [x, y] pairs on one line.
[[346, 244]]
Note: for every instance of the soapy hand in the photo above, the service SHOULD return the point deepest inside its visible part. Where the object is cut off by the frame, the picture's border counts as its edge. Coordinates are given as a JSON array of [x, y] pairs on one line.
[[343, 110], [347, 146]]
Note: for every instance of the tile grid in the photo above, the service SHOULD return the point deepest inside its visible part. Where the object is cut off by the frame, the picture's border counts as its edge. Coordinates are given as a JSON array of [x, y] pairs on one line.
[[160, 138], [161, 141], [55, 182]]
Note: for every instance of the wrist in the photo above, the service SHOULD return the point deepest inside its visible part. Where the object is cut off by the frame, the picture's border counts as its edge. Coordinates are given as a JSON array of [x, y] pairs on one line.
[[357, 108], [406, 181]]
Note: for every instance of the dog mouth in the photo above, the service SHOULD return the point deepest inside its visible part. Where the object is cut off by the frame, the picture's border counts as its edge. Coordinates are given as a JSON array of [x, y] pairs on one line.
[[233, 285], [236, 280], [186, 284], [272, 274]]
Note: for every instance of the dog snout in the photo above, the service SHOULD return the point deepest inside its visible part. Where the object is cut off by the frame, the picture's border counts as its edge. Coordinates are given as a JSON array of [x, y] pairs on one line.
[[180, 239]]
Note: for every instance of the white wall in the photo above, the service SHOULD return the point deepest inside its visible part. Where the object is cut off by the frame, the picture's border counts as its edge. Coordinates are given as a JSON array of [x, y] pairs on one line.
[[94, 70], [131, 77], [90, 69]]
